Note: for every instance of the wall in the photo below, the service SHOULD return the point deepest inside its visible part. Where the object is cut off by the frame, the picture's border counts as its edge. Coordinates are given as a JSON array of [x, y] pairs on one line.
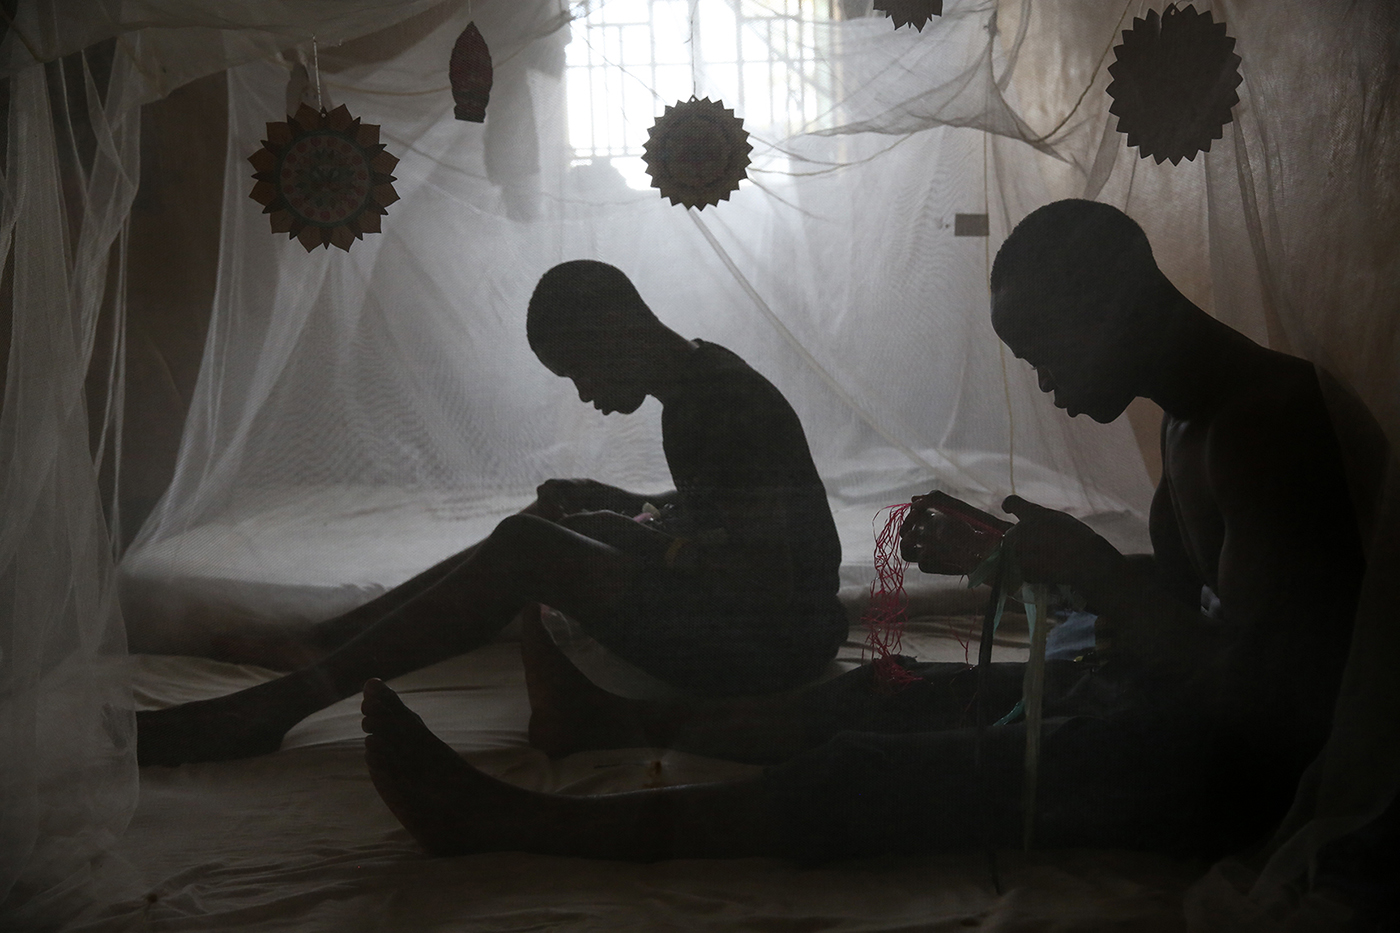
[[172, 269]]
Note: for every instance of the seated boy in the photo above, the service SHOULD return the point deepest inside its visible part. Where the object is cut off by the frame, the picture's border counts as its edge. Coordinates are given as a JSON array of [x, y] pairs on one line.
[[1219, 659], [728, 586]]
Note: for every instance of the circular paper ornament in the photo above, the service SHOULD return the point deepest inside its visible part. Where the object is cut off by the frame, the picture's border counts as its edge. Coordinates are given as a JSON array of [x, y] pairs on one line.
[[910, 12], [1174, 81], [697, 152], [323, 177]]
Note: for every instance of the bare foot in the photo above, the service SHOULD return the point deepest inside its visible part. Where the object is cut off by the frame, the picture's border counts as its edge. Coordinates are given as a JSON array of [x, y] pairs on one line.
[[449, 807], [239, 725], [568, 712]]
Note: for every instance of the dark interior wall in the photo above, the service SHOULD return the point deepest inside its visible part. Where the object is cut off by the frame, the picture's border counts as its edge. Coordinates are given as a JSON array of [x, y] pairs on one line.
[[171, 272], [172, 261]]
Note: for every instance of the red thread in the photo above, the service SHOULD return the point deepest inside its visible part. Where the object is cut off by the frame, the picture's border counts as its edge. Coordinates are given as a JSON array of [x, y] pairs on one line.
[[887, 611], [964, 640]]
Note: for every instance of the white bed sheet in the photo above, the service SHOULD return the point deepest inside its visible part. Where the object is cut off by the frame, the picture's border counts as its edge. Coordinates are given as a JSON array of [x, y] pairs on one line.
[[293, 555], [298, 840]]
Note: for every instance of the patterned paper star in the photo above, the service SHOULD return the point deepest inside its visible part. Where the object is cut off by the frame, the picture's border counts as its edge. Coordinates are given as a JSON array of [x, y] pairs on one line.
[[697, 152], [323, 177]]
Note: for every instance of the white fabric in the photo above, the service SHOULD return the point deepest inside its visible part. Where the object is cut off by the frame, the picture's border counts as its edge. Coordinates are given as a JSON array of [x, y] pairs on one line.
[[67, 772], [403, 364], [293, 555], [171, 42]]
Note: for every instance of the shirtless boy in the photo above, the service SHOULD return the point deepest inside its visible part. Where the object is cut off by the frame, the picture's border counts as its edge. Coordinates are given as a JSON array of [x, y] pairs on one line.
[[1219, 661], [727, 588]]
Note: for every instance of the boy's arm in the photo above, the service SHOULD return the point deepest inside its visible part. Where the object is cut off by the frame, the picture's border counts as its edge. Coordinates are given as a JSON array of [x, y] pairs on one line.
[[1139, 618], [621, 532], [1291, 562], [710, 551], [560, 497]]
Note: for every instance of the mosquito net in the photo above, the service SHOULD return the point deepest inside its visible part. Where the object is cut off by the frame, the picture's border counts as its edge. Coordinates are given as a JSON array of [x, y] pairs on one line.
[[397, 377], [362, 414]]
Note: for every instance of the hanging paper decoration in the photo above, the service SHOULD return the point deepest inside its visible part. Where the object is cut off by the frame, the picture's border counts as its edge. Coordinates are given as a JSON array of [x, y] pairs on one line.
[[697, 152], [323, 177], [1174, 83], [910, 12], [471, 75]]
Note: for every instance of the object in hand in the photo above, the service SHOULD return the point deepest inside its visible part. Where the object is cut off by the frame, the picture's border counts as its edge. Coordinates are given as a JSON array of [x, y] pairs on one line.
[[946, 535]]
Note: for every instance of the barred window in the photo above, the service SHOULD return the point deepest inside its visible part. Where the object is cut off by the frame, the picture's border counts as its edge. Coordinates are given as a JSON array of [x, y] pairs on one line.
[[628, 59]]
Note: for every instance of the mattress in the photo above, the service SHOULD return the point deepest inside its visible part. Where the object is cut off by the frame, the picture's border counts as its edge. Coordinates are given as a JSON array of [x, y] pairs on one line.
[[294, 555]]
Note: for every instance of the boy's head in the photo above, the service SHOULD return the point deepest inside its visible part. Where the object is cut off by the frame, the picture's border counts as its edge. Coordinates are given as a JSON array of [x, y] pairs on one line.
[[1075, 292], [586, 322], [1071, 264]]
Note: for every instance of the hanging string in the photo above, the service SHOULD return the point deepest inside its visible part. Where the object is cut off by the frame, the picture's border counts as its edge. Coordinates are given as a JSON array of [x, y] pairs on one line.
[[1001, 347], [887, 611], [694, 59], [316, 67]]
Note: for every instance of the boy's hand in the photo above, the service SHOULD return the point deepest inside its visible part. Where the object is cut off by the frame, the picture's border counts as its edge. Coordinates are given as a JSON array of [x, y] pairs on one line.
[[1053, 547], [560, 497], [616, 530], [938, 543]]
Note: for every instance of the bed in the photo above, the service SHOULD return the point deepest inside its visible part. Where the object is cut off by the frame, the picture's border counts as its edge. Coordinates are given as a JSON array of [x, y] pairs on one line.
[[298, 840]]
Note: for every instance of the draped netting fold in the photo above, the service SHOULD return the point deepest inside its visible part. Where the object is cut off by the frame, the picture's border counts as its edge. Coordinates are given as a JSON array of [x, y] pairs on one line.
[[68, 772]]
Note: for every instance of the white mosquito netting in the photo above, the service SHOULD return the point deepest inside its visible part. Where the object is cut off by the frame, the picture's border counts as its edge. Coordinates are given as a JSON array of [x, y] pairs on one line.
[[359, 415], [396, 380]]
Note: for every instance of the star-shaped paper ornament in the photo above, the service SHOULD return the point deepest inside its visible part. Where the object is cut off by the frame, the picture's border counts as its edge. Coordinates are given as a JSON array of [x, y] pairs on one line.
[[323, 177], [1174, 81], [910, 12], [697, 152]]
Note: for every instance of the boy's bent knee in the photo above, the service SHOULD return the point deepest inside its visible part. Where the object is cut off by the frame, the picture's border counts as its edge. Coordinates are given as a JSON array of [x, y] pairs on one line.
[[516, 530]]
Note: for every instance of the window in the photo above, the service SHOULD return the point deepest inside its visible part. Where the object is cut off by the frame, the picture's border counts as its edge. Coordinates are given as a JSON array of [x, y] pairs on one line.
[[629, 59]]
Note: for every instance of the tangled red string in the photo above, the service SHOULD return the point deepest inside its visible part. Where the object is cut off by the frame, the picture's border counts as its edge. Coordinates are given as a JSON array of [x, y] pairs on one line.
[[887, 611]]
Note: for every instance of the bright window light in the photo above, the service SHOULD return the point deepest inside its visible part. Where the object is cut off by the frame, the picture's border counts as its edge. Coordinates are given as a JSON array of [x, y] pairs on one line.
[[628, 59]]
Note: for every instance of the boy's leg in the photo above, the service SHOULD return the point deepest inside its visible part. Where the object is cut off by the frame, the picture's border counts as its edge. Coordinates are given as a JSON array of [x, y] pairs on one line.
[[1156, 781], [568, 713], [295, 649], [859, 795], [450, 808], [525, 559]]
